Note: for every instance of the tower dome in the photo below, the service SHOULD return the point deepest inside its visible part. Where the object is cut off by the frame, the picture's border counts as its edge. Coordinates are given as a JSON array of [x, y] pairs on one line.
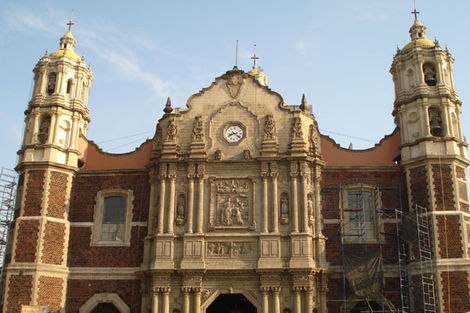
[[418, 37], [67, 47]]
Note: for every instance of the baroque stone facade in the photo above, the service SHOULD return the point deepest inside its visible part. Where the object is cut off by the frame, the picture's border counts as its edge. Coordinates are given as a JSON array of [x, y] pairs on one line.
[[238, 202]]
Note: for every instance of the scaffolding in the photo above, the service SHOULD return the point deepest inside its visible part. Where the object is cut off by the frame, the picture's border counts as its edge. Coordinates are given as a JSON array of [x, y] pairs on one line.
[[7, 207], [410, 229]]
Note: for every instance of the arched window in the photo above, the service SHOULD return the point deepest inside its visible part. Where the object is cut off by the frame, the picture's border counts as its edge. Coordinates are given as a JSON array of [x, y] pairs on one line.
[[429, 71], [51, 83], [69, 87], [435, 122]]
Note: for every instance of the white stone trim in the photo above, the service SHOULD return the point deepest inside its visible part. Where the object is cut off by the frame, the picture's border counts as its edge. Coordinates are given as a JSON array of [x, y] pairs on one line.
[[98, 217], [98, 298]]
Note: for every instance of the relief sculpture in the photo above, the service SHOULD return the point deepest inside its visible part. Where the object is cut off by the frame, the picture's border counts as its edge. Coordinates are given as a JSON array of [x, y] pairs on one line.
[[229, 249]]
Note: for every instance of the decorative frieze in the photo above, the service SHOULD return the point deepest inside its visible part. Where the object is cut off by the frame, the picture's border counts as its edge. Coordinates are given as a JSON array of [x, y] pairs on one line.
[[229, 249]]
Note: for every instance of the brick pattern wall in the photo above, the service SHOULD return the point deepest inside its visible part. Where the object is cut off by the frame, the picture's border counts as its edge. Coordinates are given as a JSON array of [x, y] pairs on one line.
[[419, 186], [79, 291], [457, 283], [50, 292], [464, 207], [416, 295], [57, 195], [445, 197], [53, 243], [80, 254], [27, 238], [85, 189], [19, 292], [450, 246], [34, 193]]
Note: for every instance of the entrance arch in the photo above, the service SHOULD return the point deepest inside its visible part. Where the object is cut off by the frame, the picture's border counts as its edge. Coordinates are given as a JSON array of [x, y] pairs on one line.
[[231, 303], [104, 301]]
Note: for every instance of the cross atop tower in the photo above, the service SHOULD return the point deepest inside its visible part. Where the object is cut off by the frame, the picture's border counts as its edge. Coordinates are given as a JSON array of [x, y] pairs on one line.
[[70, 23], [414, 11], [254, 58]]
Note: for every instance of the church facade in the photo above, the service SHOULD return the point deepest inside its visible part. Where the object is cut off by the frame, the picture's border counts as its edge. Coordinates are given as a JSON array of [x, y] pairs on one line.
[[238, 203]]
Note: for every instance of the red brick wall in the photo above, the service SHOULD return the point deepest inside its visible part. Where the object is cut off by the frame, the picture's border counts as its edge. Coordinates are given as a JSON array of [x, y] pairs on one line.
[[26, 242], [50, 292], [457, 282], [19, 292], [453, 240], [86, 187], [34, 193], [80, 254], [447, 196], [79, 291], [57, 195], [419, 186], [53, 244]]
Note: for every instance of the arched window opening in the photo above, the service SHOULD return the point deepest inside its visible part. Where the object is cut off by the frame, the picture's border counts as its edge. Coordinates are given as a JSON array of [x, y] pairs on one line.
[[51, 83], [435, 122], [69, 86], [429, 74]]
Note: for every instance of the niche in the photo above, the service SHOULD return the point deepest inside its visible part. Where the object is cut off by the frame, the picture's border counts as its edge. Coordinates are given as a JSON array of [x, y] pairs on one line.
[[43, 133], [284, 208], [180, 209], [429, 74], [51, 83], [435, 121], [69, 87]]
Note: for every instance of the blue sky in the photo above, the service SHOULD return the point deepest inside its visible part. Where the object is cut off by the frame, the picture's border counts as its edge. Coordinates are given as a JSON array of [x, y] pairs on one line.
[[336, 52]]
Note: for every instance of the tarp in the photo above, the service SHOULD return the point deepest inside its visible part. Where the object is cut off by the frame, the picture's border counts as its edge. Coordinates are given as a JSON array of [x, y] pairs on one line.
[[364, 273]]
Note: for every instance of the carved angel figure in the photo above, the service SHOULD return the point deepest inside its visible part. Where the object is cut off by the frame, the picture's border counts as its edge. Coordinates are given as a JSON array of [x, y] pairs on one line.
[[172, 130], [297, 128], [269, 127], [198, 129]]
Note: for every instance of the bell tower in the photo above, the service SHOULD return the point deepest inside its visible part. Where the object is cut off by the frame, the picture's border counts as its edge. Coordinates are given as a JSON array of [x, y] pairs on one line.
[[36, 261], [434, 157]]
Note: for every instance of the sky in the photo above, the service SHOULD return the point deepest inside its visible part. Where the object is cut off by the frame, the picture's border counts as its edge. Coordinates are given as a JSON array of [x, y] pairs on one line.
[[337, 52]]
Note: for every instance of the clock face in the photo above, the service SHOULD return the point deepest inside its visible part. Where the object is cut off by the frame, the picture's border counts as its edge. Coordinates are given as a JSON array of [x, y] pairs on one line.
[[234, 133]]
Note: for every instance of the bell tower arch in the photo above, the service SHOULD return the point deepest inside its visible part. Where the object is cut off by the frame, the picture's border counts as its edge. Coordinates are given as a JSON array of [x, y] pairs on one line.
[[36, 263], [427, 110]]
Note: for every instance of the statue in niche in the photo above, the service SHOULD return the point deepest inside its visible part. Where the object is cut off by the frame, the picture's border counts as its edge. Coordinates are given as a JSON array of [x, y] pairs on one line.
[[297, 128], [180, 210], [218, 155], [310, 209], [269, 127], [284, 209], [198, 129], [246, 154], [313, 139], [172, 130], [43, 133]]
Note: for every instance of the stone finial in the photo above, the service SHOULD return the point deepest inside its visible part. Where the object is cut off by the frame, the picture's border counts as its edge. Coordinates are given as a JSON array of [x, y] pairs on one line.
[[168, 109], [303, 104]]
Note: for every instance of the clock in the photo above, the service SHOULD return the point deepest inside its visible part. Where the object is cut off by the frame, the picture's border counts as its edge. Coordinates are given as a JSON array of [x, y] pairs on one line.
[[234, 133]]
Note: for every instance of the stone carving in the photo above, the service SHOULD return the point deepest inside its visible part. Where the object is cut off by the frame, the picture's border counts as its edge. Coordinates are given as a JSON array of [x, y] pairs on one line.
[[284, 208], [231, 203], [43, 134], [172, 130], [180, 209], [297, 128], [314, 140], [234, 84], [294, 169], [205, 294], [269, 127], [311, 218], [198, 129], [264, 169], [229, 249], [246, 154], [218, 155]]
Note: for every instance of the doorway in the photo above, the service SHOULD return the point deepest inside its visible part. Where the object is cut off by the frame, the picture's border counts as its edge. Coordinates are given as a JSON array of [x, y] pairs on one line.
[[231, 303]]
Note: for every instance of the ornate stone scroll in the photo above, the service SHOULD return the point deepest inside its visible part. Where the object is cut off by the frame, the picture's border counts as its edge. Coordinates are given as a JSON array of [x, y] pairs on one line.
[[231, 203], [234, 84]]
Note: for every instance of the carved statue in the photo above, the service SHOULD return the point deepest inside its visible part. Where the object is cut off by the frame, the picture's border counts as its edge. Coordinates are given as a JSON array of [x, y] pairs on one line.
[[180, 210], [284, 209], [43, 134], [232, 212], [246, 154], [172, 130], [227, 213], [198, 130], [310, 209], [297, 128], [233, 84], [218, 155], [269, 127]]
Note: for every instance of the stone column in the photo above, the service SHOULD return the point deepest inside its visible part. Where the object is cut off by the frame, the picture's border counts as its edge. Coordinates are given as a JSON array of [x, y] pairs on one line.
[[171, 204], [200, 211], [186, 300], [73, 133], [59, 79], [297, 301], [304, 203], [265, 301], [274, 175], [166, 300], [35, 128], [52, 128], [276, 300], [197, 300], [309, 300], [155, 300], [161, 205], [295, 200], [264, 175], [42, 87], [189, 219]]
